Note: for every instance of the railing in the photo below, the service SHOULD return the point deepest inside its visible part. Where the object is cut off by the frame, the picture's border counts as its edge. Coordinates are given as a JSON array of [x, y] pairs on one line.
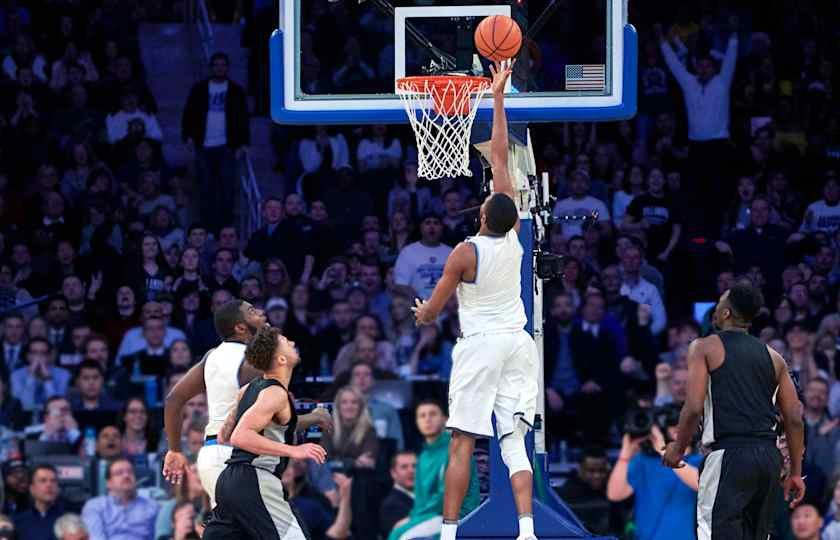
[[204, 29], [250, 217]]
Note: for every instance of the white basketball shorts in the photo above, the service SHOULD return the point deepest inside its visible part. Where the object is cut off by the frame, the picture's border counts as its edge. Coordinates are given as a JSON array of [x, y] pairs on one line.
[[211, 461], [493, 373]]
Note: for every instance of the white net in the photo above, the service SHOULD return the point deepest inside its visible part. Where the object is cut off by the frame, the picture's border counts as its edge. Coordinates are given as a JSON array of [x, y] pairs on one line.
[[441, 111]]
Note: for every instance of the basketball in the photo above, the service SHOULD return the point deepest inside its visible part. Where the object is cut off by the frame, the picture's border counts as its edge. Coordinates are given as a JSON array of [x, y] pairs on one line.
[[498, 38]]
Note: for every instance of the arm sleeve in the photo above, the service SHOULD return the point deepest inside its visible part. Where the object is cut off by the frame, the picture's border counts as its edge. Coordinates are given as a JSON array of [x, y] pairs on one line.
[[658, 316], [635, 473], [402, 269], [727, 69], [677, 69], [93, 520]]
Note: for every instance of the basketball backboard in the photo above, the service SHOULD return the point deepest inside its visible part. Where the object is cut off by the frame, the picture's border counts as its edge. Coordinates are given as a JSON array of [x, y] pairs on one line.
[[335, 62]]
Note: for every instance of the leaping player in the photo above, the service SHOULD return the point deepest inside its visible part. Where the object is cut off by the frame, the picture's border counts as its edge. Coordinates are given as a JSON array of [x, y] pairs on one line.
[[495, 362]]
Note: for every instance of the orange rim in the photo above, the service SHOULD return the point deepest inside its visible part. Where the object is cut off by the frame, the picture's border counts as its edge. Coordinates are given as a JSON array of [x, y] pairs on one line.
[[443, 95]]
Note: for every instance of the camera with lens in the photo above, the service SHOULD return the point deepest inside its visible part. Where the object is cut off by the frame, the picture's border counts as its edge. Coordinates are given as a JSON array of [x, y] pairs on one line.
[[640, 420], [549, 265]]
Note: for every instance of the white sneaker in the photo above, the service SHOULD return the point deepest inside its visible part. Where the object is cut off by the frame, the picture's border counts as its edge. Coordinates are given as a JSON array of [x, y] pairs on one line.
[[531, 537]]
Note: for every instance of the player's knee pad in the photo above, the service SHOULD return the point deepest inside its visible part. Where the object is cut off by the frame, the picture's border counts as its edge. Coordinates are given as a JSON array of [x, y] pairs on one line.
[[514, 454]]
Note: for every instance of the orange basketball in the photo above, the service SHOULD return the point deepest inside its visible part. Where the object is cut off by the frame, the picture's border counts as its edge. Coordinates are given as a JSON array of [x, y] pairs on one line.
[[498, 38]]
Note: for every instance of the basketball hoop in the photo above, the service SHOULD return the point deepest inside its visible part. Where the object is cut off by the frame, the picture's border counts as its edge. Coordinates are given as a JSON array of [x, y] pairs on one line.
[[441, 110]]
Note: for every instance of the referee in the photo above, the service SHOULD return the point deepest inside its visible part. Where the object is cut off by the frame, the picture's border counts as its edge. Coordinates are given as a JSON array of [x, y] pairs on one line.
[[736, 383]]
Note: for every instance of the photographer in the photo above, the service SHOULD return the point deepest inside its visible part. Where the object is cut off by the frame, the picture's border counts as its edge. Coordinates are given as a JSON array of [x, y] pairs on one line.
[[664, 499]]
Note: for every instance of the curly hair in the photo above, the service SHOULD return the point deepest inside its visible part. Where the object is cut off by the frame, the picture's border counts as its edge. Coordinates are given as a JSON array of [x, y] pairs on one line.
[[261, 350]]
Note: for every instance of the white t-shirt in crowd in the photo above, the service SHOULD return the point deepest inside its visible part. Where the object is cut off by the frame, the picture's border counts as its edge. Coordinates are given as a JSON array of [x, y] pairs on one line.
[[579, 207], [216, 134], [821, 217], [420, 267]]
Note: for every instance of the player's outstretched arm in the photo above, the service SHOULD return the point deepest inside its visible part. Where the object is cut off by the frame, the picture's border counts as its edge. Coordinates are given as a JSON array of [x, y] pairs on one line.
[[456, 264], [271, 402], [791, 409], [192, 384], [499, 139], [698, 383]]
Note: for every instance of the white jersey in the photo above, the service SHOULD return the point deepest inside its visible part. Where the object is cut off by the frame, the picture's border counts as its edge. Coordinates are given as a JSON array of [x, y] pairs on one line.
[[492, 302], [221, 378]]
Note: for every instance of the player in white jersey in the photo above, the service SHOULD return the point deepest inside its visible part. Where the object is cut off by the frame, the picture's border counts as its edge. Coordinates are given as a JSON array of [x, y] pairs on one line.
[[495, 362], [220, 374]]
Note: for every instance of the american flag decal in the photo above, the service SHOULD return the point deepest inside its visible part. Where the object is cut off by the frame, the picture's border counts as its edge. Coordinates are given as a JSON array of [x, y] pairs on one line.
[[585, 77]]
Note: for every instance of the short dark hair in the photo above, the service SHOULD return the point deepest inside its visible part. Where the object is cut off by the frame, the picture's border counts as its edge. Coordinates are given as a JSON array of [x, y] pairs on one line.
[[44, 467], [501, 213], [261, 350], [746, 301], [401, 453], [227, 317], [430, 401], [38, 339], [114, 462], [219, 56], [89, 364], [593, 452]]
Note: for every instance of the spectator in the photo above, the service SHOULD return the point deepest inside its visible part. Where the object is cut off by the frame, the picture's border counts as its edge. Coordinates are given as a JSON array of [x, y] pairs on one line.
[[222, 276], [582, 205], [7, 528], [134, 341], [16, 486], [398, 502], [706, 96], [420, 264], [806, 523], [131, 120], [656, 213], [171, 519], [138, 437], [379, 150], [11, 410], [824, 215], [39, 520], [153, 359], [433, 354], [59, 425], [121, 513], [13, 344], [90, 384], [282, 239], [322, 151], [242, 266], [760, 244], [386, 419], [40, 380], [369, 327], [182, 523], [215, 124], [664, 500], [204, 334], [640, 290], [57, 317], [337, 333], [821, 430], [70, 527], [586, 493], [426, 517], [315, 510], [407, 198], [353, 440], [671, 384], [109, 443]]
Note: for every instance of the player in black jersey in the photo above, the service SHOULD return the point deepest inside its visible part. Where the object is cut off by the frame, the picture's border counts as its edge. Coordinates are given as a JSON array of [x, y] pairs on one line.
[[736, 383], [250, 497]]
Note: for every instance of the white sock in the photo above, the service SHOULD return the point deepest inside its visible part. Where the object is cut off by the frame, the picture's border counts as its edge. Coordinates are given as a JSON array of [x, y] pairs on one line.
[[448, 530], [526, 526]]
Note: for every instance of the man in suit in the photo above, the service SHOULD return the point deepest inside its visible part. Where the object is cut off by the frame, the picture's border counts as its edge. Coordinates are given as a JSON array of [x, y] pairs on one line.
[[11, 349], [596, 363], [153, 359], [284, 239], [397, 504]]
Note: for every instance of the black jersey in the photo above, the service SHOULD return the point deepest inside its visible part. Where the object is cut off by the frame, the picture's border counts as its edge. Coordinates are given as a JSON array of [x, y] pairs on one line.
[[274, 431], [740, 400]]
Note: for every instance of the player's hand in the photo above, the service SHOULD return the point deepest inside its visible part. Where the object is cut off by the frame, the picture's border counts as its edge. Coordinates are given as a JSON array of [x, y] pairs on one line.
[[501, 71], [323, 419], [673, 455], [309, 451], [794, 490], [174, 467], [421, 312]]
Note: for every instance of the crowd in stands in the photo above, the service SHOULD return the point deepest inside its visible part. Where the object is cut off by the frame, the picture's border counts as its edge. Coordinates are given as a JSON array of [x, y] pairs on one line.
[[113, 261]]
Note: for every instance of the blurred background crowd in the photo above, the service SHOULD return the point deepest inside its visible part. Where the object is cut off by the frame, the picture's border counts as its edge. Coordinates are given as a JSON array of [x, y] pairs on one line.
[[113, 259]]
